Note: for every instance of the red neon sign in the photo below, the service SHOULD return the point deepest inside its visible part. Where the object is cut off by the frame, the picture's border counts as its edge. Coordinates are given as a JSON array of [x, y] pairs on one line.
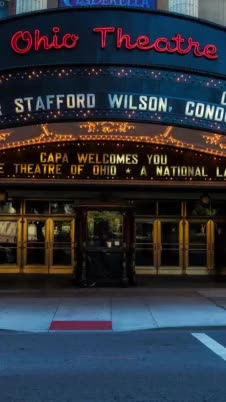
[[176, 44], [23, 42]]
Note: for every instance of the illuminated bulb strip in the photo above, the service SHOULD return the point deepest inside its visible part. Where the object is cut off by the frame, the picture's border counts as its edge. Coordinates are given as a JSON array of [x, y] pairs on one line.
[[146, 139], [101, 138]]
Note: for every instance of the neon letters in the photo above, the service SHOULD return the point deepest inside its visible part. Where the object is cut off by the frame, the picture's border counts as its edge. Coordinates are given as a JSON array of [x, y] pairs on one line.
[[24, 42], [176, 44]]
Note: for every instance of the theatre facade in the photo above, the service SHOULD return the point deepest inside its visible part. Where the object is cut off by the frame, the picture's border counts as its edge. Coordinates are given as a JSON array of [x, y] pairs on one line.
[[112, 145]]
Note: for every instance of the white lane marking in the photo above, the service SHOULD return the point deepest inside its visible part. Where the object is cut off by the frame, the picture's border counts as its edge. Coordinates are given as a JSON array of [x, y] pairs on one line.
[[211, 344]]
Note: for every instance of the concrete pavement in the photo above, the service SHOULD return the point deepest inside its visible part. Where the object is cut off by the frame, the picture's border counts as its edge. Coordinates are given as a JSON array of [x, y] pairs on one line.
[[112, 309]]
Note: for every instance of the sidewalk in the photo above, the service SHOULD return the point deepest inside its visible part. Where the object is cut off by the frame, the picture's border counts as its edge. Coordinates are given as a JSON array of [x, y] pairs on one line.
[[113, 309]]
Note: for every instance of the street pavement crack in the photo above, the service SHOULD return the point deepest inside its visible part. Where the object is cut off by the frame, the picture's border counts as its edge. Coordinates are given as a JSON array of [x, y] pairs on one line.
[[151, 314], [213, 301]]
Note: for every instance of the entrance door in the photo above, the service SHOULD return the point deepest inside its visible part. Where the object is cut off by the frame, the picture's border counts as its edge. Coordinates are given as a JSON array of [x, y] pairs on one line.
[[48, 245], [200, 243], [170, 246], [219, 247], [145, 245], [35, 245], [61, 245], [158, 245], [105, 246], [10, 245]]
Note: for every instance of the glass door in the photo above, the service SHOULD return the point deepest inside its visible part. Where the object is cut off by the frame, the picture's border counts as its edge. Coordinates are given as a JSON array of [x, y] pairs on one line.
[[219, 247], [36, 250], [48, 245], [10, 245], [200, 245], [62, 245], [171, 241], [145, 245]]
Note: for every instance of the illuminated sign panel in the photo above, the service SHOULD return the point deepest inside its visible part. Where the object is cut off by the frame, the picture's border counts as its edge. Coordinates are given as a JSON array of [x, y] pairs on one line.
[[151, 4], [84, 161], [25, 42], [112, 64], [101, 36], [113, 93]]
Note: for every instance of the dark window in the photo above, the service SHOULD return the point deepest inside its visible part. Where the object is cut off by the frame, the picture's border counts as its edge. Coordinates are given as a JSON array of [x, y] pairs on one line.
[[169, 208], [218, 208], [37, 207], [9, 207], [146, 208], [200, 207], [62, 207]]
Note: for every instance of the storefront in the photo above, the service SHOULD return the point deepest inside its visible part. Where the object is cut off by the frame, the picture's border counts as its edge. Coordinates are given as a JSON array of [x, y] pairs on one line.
[[112, 152]]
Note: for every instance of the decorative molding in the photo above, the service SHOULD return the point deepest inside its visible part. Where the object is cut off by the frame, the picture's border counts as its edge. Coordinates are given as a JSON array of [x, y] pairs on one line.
[[107, 127], [46, 136], [4, 136], [121, 131]]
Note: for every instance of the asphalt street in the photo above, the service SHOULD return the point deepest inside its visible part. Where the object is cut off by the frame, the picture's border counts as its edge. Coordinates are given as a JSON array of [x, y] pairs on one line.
[[141, 366]]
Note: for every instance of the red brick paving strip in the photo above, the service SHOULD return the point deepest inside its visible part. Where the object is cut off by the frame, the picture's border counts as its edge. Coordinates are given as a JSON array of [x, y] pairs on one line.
[[81, 325]]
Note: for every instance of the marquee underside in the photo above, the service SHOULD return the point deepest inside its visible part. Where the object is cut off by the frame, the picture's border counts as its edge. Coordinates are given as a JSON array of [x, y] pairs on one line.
[[103, 131]]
